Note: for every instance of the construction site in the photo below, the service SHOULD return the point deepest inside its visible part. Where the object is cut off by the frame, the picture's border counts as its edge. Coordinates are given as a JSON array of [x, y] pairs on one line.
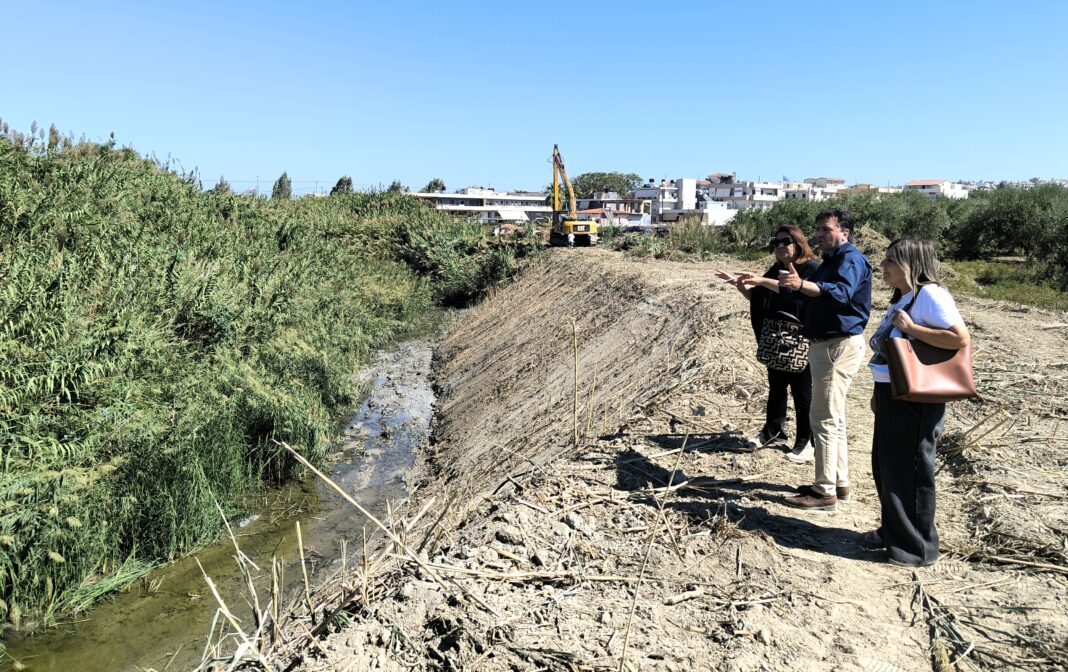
[[582, 502]]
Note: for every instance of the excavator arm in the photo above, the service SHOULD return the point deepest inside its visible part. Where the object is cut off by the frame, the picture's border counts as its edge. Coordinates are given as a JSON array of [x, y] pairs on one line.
[[560, 172]]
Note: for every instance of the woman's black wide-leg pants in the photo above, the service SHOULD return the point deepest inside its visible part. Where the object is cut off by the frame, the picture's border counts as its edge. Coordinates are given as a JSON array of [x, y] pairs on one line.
[[903, 464]]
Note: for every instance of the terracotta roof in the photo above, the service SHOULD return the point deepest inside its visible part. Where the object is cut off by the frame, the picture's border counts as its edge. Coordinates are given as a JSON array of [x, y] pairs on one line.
[[924, 183]]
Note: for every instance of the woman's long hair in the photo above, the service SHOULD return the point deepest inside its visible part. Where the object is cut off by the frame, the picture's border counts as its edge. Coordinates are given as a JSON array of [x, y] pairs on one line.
[[917, 259], [804, 252]]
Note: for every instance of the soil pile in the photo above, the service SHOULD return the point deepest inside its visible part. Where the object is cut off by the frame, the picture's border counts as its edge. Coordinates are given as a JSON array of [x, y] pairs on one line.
[[658, 542]]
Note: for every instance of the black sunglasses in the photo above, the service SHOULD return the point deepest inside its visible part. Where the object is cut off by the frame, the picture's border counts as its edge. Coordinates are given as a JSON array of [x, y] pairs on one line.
[[780, 242]]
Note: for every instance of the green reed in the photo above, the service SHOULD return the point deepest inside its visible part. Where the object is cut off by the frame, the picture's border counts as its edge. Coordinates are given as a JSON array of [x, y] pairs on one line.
[[156, 342]]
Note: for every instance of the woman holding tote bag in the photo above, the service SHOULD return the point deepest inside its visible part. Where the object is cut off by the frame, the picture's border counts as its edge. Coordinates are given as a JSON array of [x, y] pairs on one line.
[[776, 321], [906, 432]]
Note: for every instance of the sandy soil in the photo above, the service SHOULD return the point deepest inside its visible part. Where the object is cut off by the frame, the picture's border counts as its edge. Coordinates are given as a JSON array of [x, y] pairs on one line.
[[537, 553]]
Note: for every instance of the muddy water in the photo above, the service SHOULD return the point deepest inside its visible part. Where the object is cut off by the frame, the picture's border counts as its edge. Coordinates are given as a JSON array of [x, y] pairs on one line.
[[163, 620]]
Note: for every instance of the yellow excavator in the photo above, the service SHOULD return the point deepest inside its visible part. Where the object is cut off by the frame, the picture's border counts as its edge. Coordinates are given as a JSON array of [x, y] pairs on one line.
[[566, 221]]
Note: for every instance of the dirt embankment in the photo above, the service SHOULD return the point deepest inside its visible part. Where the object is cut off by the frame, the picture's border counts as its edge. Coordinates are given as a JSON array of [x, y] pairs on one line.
[[540, 555]]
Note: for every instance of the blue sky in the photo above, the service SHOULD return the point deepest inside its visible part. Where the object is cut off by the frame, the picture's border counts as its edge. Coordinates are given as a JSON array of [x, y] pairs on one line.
[[478, 92]]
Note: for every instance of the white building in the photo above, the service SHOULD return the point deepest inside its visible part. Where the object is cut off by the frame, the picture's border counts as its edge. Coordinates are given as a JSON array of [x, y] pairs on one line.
[[490, 206], [610, 209], [661, 196], [937, 188], [833, 183], [679, 199], [742, 195], [806, 191]]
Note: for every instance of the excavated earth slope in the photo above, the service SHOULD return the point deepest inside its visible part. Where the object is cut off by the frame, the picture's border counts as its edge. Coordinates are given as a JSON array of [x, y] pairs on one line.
[[654, 542]]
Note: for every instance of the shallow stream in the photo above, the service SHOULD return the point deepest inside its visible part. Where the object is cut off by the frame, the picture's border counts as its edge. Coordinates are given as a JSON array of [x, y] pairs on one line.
[[162, 621]]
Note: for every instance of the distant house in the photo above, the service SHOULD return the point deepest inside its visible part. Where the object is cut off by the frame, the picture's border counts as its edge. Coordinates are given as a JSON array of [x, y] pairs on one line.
[[745, 194], [611, 209], [490, 206], [826, 182], [808, 191], [937, 188], [870, 189]]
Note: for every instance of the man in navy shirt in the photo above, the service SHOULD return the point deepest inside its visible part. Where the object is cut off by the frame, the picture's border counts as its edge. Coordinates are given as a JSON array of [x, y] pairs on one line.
[[838, 302]]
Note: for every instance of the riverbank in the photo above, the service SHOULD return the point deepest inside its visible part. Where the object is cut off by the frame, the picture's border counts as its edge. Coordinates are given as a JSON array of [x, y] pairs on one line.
[[165, 620], [652, 542]]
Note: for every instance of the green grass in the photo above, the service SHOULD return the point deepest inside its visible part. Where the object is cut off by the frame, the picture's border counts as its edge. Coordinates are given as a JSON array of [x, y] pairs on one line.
[[1018, 281], [156, 342]]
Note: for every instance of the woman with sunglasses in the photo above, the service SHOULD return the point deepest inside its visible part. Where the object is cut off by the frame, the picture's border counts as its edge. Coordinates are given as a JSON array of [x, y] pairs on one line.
[[765, 303]]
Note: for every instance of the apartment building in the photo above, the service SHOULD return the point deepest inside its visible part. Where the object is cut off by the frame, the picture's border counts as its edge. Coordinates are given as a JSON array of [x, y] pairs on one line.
[[806, 191], [661, 197], [742, 195], [490, 206], [832, 183], [684, 198], [937, 188]]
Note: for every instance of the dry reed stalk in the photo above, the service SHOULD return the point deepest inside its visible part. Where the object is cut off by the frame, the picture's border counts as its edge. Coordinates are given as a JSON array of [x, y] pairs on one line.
[[411, 522], [304, 570], [548, 576], [590, 408], [412, 555], [532, 505], [257, 615], [246, 643], [237, 549], [941, 620], [430, 530], [276, 599], [1000, 559], [366, 571], [682, 597], [344, 567], [575, 409], [205, 658], [243, 563], [645, 560]]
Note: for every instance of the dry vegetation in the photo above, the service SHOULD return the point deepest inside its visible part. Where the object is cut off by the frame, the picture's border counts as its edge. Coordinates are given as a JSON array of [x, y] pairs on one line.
[[654, 543]]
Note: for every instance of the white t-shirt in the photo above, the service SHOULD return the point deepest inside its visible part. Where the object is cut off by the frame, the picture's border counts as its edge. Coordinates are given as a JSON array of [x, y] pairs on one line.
[[934, 309]]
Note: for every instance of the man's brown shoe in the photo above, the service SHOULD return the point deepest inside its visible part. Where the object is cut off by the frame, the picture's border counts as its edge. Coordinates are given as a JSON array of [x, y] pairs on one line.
[[813, 502], [841, 492]]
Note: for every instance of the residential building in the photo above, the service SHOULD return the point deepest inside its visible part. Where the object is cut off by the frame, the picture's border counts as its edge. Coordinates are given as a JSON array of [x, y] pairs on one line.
[[684, 198], [807, 191], [937, 188], [610, 209], [826, 182], [491, 206], [661, 196], [741, 195], [865, 188]]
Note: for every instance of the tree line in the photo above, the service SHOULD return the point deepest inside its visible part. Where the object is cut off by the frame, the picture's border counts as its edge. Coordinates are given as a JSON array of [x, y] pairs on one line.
[[1009, 221]]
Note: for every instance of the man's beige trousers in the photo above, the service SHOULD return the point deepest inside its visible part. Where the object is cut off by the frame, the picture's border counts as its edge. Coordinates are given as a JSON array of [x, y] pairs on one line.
[[834, 362]]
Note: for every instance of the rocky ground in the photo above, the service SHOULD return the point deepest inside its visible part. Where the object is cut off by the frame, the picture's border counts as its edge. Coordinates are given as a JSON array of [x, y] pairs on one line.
[[615, 523]]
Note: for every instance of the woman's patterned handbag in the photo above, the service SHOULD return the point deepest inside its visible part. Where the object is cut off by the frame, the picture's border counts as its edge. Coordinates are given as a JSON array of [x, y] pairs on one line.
[[782, 347]]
